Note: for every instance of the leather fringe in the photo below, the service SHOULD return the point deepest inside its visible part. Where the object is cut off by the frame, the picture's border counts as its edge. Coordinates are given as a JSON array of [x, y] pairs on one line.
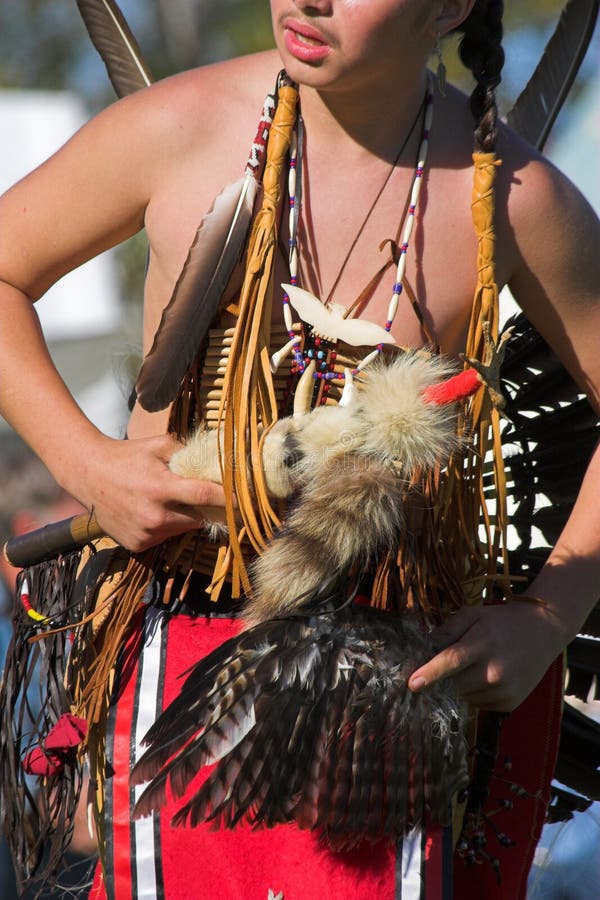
[[37, 812], [442, 562], [248, 403]]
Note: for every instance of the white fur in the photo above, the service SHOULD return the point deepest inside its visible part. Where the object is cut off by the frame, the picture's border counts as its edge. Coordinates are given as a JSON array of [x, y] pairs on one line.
[[386, 417], [199, 457], [396, 423]]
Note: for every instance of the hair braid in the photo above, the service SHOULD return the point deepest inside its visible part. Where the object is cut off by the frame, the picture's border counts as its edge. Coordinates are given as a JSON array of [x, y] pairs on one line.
[[481, 51]]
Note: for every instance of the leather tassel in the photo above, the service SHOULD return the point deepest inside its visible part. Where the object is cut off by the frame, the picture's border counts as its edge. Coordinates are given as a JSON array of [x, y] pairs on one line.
[[215, 251], [114, 41], [537, 107], [248, 395]]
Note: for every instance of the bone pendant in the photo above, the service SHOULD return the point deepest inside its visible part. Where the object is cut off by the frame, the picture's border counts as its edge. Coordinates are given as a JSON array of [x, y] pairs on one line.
[[329, 323]]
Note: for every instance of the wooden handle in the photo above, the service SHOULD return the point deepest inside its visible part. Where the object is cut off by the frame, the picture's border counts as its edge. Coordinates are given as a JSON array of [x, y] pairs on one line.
[[51, 540]]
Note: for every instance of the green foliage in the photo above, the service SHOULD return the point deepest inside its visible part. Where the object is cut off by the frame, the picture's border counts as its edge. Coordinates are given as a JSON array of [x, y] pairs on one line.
[[39, 43]]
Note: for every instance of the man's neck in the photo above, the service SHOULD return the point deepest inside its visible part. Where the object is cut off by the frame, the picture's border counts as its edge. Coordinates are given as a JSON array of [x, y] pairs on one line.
[[370, 123]]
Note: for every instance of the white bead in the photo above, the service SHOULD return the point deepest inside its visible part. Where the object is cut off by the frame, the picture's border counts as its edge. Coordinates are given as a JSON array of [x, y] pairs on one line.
[[393, 307], [287, 317]]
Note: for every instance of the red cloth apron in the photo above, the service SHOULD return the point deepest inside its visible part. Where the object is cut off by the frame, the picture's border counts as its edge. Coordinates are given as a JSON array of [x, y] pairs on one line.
[[148, 859]]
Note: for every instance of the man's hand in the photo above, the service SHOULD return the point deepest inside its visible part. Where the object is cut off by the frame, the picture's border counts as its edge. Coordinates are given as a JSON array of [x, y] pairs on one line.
[[496, 654], [136, 499]]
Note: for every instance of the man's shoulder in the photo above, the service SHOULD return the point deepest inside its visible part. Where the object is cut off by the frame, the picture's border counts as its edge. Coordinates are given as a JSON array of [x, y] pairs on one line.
[[207, 106], [219, 89], [536, 189]]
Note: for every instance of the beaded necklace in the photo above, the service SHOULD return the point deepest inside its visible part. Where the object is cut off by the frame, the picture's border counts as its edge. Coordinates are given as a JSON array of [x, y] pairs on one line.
[[314, 354]]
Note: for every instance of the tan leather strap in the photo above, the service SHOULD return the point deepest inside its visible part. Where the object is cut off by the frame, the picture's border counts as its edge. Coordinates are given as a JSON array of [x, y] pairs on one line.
[[248, 403], [484, 417]]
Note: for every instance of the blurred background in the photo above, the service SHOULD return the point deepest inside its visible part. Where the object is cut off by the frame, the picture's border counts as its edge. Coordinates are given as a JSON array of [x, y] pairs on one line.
[[51, 81]]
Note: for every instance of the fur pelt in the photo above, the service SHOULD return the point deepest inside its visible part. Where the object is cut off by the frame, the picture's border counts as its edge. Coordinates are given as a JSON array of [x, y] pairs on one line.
[[344, 469], [348, 514], [387, 417]]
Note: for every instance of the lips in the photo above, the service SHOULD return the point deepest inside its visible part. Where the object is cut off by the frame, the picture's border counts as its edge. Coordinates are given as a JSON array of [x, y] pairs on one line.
[[305, 42]]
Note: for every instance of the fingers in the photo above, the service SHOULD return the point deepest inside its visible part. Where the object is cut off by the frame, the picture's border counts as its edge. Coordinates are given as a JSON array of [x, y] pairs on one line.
[[478, 683], [140, 502], [449, 662], [181, 505], [455, 653], [491, 653], [453, 629], [189, 493]]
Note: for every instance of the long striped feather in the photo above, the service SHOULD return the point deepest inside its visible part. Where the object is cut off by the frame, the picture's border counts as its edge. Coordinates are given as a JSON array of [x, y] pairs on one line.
[[113, 39], [212, 257], [537, 107]]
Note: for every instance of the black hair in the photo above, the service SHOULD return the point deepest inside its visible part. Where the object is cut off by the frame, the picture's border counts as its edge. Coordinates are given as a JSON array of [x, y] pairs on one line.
[[481, 51]]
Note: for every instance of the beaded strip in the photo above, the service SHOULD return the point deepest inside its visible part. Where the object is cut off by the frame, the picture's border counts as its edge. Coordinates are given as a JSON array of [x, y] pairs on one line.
[[295, 200], [26, 604], [255, 158], [300, 360]]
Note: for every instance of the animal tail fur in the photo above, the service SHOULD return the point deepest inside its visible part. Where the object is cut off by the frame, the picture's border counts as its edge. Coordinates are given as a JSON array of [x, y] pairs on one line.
[[349, 514]]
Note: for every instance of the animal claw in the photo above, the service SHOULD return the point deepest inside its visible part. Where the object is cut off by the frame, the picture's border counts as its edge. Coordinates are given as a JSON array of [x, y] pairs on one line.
[[489, 368]]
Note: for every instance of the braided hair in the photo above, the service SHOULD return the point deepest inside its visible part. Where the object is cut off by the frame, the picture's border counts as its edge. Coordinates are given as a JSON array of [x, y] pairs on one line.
[[481, 51]]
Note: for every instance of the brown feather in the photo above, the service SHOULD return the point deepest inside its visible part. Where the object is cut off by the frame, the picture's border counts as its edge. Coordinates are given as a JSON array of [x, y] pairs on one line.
[[215, 251], [339, 743], [396, 765], [537, 107], [113, 39]]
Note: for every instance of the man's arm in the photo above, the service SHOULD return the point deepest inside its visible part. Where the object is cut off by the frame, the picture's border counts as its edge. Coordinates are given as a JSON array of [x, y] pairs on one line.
[[499, 653], [90, 195]]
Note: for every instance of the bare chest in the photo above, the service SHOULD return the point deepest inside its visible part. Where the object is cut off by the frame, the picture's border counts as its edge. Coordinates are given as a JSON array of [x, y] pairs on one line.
[[350, 240], [348, 249]]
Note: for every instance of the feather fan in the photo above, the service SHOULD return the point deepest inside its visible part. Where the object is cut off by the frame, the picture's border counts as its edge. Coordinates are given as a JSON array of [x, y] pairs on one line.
[[311, 721], [552, 430], [211, 259], [537, 107], [114, 41]]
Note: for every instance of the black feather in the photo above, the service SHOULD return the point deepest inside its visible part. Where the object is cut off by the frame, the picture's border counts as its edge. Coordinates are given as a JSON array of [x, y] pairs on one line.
[[537, 107], [552, 432], [113, 39]]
